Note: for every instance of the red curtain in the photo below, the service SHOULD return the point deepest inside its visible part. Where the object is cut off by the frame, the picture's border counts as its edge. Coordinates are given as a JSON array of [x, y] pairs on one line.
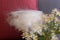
[[10, 5]]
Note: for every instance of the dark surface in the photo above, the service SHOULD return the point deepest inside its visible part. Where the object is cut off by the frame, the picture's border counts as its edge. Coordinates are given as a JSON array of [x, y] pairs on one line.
[[13, 39]]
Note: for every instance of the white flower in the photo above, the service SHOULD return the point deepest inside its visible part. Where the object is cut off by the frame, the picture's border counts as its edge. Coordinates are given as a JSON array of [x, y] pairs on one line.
[[54, 37]]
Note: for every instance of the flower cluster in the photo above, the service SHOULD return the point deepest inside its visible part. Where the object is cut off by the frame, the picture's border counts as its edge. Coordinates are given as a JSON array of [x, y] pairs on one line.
[[48, 30]]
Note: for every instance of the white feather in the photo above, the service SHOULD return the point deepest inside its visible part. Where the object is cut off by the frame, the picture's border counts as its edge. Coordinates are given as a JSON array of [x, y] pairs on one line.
[[25, 19]]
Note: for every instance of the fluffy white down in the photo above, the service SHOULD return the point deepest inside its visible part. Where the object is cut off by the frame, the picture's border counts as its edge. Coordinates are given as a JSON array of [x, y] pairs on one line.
[[25, 19]]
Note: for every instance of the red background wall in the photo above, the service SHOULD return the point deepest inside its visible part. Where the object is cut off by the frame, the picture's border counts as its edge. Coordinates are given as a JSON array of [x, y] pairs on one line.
[[10, 5]]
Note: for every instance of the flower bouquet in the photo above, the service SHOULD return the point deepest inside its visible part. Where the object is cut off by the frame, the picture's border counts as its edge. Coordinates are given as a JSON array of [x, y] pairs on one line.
[[45, 28], [48, 29]]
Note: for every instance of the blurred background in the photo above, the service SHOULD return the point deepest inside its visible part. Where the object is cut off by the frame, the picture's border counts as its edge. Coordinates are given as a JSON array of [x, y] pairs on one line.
[[6, 6], [47, 5]]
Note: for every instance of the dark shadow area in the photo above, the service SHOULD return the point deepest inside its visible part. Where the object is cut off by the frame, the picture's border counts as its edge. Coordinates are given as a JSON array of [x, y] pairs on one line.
[[13, 39]]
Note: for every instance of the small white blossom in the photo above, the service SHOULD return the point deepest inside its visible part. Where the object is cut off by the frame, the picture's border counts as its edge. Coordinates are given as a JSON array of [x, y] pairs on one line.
[[54, 37]]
